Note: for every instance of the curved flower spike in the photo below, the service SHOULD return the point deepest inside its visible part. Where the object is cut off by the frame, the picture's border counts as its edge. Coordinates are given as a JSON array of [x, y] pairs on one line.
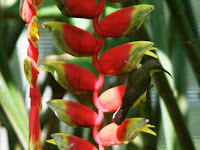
[[113, 134], [71, 77], [30, 70], [70, 142], [124, 21], [77, 8], [73, 114], [71, 39], [26, 11], [123, 58], [111, 99]]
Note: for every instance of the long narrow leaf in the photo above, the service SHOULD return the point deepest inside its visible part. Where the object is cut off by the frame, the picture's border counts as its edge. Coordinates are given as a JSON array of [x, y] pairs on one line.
[[12, 111]]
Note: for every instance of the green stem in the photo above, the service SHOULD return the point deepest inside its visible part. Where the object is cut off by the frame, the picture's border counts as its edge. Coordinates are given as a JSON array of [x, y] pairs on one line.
[[174, 111], [146, 112], [182, 23]]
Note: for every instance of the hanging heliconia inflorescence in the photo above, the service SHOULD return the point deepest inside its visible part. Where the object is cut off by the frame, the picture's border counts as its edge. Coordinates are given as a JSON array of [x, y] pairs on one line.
[[28, 13], [116, 61]]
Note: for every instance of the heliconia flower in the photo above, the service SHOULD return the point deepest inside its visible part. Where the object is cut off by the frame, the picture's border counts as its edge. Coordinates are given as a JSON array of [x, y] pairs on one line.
[[35, 96], [124, 58], [33, 51], [124, 21], [71, 39], [26, 11], [70, 142], [33, 31], [73, 114], [77, 8], [35, 3], [71, 77], [111, 99], [112, 134], [34, 129], [30, 70]]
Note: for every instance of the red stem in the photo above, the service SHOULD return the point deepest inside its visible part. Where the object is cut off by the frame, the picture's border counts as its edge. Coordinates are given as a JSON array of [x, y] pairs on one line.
[[100, 80]]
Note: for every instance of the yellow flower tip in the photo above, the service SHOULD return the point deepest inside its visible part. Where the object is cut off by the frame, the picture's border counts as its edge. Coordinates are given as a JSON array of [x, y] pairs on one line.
[[34, 31], [51, 141]]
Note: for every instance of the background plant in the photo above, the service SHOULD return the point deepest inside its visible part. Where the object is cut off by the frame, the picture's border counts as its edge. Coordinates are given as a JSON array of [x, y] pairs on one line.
[[165, 34]]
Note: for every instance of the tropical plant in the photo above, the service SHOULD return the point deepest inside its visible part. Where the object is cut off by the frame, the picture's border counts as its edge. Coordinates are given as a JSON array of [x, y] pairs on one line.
[[93, 75]]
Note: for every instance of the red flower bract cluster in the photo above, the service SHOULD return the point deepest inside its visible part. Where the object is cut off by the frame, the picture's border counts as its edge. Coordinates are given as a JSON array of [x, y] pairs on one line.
[[116, 61], [28, 13]]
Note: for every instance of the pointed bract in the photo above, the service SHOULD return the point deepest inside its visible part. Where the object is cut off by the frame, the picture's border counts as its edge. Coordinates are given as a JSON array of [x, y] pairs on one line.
[[33, 51], [108, 135], [33, 31], [130, 128], [26, 11], [125, 21], [113, 134], [71, 142], [71, 39], [73, 114], [71, 77], [77, 8], [111, 99], [30, 70], [34, 129], [35, 96], [124, 58]]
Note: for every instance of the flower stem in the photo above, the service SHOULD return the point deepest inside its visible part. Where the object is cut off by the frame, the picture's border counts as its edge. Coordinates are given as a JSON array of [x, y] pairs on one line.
[[100, 80]]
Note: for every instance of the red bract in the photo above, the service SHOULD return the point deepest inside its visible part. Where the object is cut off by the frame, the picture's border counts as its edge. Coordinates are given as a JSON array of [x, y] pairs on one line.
[[30, 70], [26, 11], [33, 31], [124, 58], [34, 129], [71, 142], [33, 51], [113, 134], [71, 77], [111, 99], [71, 39], [77, 8], [124, 21], [35, 96], [74, 114]]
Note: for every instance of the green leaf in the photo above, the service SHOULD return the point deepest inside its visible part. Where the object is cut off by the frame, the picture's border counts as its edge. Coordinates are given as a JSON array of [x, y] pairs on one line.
[[16, 117]]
